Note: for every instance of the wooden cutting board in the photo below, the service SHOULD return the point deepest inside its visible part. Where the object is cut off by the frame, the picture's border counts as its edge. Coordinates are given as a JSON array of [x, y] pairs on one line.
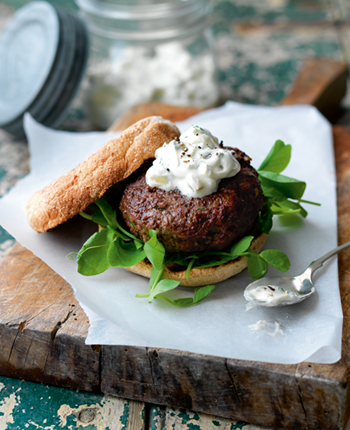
[[43, 328]]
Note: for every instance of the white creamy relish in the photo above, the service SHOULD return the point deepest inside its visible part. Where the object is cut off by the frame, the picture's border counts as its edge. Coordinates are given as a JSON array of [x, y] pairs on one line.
[[272, 329], [194, 164], [271, 295]]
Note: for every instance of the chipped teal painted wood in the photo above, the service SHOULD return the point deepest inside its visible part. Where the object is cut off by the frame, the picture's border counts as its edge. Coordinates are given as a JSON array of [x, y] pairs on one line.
[[25, 405], [272, 11], [180, 419], [65, 4]]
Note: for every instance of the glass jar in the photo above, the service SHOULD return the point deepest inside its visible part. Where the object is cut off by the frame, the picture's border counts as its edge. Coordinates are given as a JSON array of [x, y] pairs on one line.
[[148, 50]]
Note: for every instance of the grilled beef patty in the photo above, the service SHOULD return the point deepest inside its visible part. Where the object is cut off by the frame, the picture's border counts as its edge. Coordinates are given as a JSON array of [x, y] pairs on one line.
[[187, 224]]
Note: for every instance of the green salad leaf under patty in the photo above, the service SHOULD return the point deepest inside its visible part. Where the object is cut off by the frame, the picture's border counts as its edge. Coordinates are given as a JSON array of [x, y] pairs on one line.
[[114, 246]]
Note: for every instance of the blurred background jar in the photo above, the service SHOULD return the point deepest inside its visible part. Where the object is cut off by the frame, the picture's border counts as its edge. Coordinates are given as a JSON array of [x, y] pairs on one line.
[[148, 50]]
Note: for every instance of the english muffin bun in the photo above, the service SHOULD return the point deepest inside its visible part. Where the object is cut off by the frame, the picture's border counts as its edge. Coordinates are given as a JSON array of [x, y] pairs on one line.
[[74, 191]]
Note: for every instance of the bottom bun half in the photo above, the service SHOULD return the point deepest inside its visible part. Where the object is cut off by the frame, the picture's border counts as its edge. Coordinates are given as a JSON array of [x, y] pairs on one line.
[[202, 276]]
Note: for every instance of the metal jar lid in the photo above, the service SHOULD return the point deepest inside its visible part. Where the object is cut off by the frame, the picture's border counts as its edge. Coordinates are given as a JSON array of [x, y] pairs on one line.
[[43, 57]]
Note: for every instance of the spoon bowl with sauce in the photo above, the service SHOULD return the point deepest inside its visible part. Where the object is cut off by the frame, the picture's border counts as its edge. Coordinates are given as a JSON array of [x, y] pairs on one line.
[[284, 290]]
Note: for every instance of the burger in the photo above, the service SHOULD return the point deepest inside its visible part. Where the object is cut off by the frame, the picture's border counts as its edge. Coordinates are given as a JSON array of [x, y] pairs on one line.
[[201, 198], [183, 208]]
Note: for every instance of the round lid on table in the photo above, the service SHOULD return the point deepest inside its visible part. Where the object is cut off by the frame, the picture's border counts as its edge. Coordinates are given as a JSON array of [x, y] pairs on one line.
[[39, 51]]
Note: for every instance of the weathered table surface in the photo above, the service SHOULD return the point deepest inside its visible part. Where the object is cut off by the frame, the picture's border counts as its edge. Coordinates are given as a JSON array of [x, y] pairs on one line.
[[257, 64], [43, 328]]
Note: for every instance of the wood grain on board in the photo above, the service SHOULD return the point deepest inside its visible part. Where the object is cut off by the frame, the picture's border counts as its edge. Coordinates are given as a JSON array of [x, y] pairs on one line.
[[43, 329], [322, 83]]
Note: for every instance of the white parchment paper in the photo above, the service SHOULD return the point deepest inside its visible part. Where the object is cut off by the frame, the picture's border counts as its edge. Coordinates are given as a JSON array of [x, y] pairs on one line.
[[220, 324]]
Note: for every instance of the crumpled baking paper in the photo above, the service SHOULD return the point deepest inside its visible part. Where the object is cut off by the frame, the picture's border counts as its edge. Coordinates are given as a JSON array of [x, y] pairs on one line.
[[220, 324]]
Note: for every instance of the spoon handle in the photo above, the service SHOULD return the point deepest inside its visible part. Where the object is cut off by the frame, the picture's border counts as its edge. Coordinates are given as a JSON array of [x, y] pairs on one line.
[[319, 262]]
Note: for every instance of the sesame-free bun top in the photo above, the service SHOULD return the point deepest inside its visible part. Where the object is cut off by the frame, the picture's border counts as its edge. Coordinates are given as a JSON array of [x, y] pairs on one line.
[[74, 191]]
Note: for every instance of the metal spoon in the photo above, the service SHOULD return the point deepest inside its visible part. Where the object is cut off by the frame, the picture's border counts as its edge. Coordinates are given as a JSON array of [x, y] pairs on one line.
[[283, 290]]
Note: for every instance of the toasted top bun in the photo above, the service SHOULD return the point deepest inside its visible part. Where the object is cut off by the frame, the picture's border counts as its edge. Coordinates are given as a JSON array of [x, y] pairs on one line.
[[202, 276], [74, 191]]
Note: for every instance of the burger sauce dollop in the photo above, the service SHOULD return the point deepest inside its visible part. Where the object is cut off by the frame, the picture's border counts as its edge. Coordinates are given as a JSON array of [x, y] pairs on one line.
[[194, 164]]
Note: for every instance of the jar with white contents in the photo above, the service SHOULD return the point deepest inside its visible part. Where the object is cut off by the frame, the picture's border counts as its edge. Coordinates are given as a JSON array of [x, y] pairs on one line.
[[148, 50]]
